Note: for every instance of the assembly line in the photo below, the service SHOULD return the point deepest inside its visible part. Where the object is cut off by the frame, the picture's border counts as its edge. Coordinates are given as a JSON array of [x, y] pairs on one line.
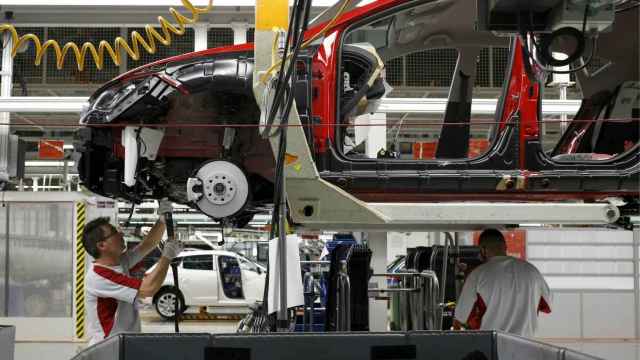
[[385, 179]]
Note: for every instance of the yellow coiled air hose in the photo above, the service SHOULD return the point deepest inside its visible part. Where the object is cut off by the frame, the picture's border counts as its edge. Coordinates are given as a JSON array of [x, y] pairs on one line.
[[114, 52]]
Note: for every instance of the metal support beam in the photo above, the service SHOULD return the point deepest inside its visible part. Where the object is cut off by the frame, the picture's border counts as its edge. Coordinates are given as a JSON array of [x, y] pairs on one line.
[[200, 31], [478, 106], [5, 117], [388, 105], [458, 215], [239, 33], [377, 242], [33, 104]]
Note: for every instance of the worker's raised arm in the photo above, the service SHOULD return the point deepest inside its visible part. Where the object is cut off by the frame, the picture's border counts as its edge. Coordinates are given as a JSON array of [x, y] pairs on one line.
[[154, 236], [153, 281]]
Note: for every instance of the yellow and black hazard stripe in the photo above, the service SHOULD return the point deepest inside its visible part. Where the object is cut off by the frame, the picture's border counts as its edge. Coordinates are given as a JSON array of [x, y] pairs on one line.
[[81, 217]]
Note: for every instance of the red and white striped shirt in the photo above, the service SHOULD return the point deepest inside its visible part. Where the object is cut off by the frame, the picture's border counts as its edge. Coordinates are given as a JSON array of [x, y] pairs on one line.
[[504, 294], [111, 298]]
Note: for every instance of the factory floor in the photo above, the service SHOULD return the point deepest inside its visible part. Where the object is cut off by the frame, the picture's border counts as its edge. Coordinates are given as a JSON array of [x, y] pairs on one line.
[[151, 323]]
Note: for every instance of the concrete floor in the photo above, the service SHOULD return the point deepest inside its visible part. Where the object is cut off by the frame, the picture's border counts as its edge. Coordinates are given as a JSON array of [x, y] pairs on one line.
[[151, 323]]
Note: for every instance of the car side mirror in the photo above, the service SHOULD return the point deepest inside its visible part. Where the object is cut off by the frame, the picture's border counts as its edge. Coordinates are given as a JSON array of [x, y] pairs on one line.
[[259, 271]]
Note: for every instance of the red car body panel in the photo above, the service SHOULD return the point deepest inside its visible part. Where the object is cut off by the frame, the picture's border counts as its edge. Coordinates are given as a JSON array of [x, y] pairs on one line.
[[539, 177]]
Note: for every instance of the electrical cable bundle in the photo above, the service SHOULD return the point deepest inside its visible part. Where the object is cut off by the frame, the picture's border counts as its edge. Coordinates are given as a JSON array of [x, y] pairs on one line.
[[282, 102]]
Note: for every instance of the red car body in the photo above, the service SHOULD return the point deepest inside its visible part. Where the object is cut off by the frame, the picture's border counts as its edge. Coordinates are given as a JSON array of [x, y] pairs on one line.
[[514, 167]]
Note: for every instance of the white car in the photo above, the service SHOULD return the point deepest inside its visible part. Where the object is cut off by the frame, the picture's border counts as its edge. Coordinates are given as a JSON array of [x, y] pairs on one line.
[[212, 278]]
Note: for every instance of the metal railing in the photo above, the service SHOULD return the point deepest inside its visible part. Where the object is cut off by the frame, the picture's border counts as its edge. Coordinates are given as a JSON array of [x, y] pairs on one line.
[[343, 303], [417, 293], [311, 291]]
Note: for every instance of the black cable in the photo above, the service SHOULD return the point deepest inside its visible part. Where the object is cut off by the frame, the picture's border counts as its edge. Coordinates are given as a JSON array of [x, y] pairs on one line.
[[133, 206], [295, 34], [176, 304], [584, 19], [222, 241], [279, 88], [296, 43]]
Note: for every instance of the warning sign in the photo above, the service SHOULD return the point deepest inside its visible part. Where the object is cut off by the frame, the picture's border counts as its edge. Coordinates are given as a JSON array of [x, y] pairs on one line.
[[51, 149]]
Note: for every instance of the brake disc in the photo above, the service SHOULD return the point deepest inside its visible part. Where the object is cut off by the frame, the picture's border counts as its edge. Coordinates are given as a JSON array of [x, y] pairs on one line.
[[219, 189]]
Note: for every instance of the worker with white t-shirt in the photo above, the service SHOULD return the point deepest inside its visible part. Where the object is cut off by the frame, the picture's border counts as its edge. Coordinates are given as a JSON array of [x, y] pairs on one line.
[[113, 291], [504, 293]]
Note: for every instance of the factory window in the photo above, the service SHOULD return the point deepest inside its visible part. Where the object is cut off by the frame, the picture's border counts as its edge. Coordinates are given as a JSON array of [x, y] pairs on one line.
[[217, 37], [26, 75], [69, 72], [179, 45], [46, 79], [251, 33]]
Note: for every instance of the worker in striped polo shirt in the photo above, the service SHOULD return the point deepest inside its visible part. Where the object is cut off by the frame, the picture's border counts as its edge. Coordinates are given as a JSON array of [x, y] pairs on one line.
[[112, 292]]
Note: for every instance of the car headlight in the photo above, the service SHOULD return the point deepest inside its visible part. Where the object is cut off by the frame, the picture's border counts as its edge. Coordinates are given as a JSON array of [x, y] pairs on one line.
[[99, 110], [110, 98]]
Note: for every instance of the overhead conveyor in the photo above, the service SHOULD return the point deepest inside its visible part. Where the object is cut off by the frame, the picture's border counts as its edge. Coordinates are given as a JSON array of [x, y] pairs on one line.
[[470, 215]]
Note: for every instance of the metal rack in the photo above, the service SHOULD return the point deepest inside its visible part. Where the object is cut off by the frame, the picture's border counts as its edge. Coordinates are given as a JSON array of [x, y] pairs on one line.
[[418, 294]]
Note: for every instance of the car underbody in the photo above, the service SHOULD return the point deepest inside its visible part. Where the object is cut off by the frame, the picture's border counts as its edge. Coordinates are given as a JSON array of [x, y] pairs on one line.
[[210, 153]]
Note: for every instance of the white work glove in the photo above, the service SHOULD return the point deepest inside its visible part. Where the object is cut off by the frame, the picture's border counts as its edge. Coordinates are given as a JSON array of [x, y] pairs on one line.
[[164, 206], [172, 248]]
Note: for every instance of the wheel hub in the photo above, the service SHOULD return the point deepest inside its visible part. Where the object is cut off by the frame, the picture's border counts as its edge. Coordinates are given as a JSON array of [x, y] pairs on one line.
[[219, 189]]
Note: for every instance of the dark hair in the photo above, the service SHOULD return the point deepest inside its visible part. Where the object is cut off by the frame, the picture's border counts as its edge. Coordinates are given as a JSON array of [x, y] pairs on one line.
[[93, 234], [492, 239]]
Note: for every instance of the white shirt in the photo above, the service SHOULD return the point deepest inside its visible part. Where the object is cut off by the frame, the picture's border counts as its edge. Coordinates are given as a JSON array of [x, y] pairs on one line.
[[504, 294], [111, 298]]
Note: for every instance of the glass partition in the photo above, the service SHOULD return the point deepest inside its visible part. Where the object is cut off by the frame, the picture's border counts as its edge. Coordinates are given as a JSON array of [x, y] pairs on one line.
[[40, 260]]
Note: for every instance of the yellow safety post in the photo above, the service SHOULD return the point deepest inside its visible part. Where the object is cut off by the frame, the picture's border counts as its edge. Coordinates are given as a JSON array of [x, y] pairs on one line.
[[81, 217]]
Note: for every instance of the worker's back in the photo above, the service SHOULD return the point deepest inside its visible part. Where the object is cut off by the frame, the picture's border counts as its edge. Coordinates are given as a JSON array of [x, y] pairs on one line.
[[504, 294]]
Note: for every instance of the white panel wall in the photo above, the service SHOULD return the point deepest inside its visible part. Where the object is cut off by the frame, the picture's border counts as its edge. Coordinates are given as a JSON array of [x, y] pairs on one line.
[[591, 273], [565, 320], [609, 315]]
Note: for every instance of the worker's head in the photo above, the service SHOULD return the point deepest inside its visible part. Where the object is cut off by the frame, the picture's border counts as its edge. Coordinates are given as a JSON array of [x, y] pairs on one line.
[[492, 244], [101, 239]]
